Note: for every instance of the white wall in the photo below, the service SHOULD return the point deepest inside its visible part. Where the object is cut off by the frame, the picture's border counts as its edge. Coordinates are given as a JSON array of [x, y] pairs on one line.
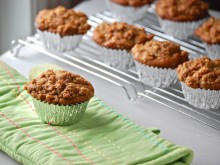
[[15, 21]]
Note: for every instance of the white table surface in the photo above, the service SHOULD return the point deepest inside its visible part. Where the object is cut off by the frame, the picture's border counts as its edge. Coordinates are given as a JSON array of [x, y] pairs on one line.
[[175, 127]]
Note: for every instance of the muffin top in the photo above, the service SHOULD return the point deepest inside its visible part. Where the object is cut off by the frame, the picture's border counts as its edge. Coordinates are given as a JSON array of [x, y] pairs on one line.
[[60, 87], [119, 35], [62, 21], [210, 31], [161, 54], [135, 3], [201, 73], [182, 10]]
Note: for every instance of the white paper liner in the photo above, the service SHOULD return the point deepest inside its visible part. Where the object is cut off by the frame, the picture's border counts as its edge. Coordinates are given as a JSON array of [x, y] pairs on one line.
[[56, 42], [156, 77], [180, 30], [213, 51], [127, 14], [118, 58], [201, 98]]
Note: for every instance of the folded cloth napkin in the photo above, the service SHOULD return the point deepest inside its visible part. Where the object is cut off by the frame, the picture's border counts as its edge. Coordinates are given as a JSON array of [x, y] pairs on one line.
[[102, 137]]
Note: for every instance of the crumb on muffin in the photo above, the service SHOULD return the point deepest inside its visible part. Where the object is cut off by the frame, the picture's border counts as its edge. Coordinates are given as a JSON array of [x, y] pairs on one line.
[[162, 54], [120, 35], [201, 73], [134, 3], [60, 87], [62, 21], [210, 31], [182, 10]]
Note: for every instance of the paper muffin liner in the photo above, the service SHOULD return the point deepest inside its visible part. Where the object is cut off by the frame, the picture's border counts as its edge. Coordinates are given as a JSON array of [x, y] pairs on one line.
[[127, 14], [56, 42], [156, 77], [201, 98], [118, 58], [59, 114], [180, 30], [213, 51]]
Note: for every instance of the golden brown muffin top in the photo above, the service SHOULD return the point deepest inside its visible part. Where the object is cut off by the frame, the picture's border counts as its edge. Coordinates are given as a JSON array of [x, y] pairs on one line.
[[162, 54], [135, 3], [210, 31], [62, 21], [201, 73], [182, 10], [119, 35], [60, 87]]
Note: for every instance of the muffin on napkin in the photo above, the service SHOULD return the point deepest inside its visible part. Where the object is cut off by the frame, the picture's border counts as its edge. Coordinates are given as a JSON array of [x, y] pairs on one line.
[[200, 80], [115, 41], [128, 10], [60, 97], [209, 33], [60, 28], [180, 18], [156, 62]]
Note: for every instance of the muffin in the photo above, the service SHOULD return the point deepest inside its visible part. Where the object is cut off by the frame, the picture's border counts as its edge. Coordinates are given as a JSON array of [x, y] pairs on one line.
[[156, 62], [60, 28], [116, 40], [128, 11], [60, 97], [209, 33], [200, 80], [180, 18]]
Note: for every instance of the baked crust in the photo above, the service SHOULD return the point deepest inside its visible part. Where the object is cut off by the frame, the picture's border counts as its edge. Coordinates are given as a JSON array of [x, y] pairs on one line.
[[162, 54], [134, 3], [210, 31], [201, 73], [182, 10], [60, 87], [62, 21], [119, 35]]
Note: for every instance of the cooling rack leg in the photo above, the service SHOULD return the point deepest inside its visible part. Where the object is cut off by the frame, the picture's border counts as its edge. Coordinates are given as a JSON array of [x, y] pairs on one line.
[[15, 47]]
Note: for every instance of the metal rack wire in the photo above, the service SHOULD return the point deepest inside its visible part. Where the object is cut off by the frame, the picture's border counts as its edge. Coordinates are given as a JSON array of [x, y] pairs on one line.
[[87, 58]]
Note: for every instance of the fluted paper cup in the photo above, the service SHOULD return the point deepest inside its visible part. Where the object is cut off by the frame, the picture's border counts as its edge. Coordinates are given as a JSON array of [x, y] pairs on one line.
[[127, 14], [118, 58], [201, 98], [156, 77], [59, 114], [56, 42], [180, 30], [213, 51]]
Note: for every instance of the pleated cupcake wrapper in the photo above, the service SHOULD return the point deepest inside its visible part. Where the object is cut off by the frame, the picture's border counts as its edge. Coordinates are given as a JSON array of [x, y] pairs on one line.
[[127, 14], [56, 42], [156, 77], [118, 58], [201, 98], [180, 30], [213, 51], [59, 114]]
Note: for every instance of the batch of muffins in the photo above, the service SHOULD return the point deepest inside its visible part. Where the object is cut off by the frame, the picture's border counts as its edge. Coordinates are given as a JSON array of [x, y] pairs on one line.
[[121, 45]]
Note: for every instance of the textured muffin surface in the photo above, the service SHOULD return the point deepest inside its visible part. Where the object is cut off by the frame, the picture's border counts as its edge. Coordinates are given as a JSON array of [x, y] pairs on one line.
[[210, 31], [135, 3], [60, 87], [201, 73], [62, 21], [182, 10], [119, 35], [162, 54]]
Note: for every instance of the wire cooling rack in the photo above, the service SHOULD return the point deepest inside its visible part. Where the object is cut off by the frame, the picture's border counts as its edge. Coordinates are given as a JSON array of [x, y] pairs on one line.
[[87, 58]]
